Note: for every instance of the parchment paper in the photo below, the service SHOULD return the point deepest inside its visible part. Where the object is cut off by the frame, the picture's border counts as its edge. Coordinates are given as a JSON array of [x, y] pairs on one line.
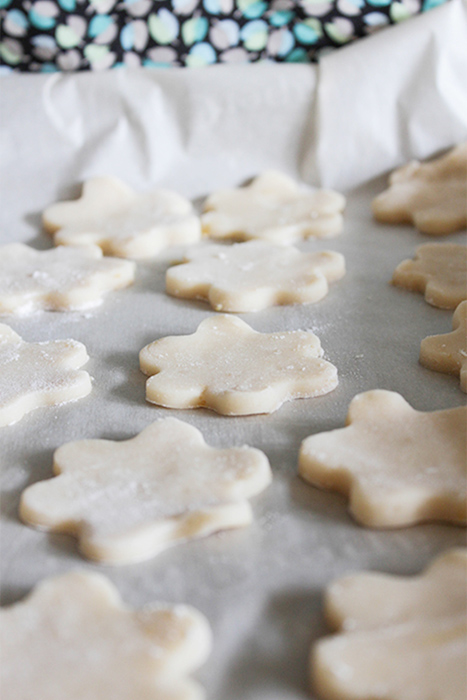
[[196, 130]]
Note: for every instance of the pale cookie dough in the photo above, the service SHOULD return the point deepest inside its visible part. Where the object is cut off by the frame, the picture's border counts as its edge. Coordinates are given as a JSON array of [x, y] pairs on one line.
[[127, 501], [61, 279], [72, 638], [439, 271], [230, 368], [39, 374], [448, 352], [121, 222], [399, 638], [431, 195], [253, 276], [398, 466], [273, 208]]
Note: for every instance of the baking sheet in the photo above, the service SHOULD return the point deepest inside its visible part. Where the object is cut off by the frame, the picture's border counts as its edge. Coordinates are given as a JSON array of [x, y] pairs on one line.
[[261, 587]]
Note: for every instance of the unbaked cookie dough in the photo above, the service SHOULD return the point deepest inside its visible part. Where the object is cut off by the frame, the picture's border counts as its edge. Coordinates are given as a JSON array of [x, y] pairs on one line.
[[230, 368], [252, 276], [127, 501], [61, 279], [439, 271], [448, 352], [399, 638], [398, 466], [121, 222], [274, 208], [39, 374], [431, 195], [72, 638]]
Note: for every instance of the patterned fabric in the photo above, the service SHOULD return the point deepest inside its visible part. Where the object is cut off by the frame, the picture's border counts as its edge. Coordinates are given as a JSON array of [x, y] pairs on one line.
[[69, 35]]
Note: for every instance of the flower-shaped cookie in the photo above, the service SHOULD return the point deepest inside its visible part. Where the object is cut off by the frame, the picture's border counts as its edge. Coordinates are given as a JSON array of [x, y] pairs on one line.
[[121, 222], [73, 638], [448, 352], [252, 276], [274, 208], [127, 501], [397, 465], [399, 638], [230, 368], [39, 374], [60, 279], [432, 195], [439, 270]]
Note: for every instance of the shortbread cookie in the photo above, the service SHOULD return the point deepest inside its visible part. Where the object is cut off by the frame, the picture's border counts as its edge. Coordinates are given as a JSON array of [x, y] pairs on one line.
[[431, 195], [448, 352], [439, 271], [400, 638], [230, 368], [39, 374], [121, 222], [127, 501], [60, 279], [274, 208], [252, 276], [398, 466], [73, 638]]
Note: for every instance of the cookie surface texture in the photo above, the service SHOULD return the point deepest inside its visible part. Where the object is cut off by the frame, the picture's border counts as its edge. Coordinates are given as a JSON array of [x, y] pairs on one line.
[[448, 352], [61, 279], [39, 374], [230, 368], [398, 466], [111, 215], [400, 638], [73, 638], [127, 501], [439, 271], [253, 276], [430, 195], [273, 208]]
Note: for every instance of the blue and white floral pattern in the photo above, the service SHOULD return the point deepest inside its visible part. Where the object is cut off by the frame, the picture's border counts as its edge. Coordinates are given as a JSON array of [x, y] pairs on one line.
[[51, 35]]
